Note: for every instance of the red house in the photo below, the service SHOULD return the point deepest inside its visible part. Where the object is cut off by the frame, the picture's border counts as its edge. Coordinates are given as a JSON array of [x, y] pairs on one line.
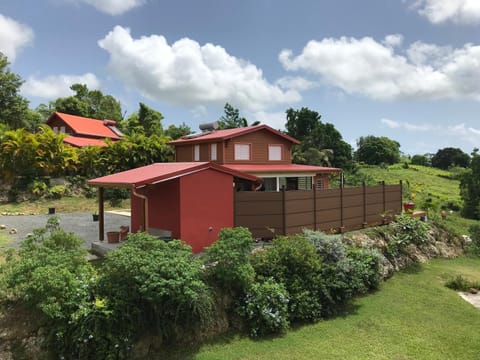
[[192, 201], [193, 198], [84, 131], [256, 150]]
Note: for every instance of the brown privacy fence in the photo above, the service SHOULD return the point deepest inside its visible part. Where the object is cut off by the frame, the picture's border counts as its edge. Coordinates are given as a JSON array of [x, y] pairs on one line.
[[288, 212]]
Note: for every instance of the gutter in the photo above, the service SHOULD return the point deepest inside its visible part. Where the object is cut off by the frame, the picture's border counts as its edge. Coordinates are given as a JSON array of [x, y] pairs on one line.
[[145, 208]]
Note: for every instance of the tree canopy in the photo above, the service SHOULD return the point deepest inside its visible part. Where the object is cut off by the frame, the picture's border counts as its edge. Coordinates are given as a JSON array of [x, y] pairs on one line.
[[447, 157], [470, 189], [375, 150], [321, 143], [88, 103], [13, 107], [231, 118]]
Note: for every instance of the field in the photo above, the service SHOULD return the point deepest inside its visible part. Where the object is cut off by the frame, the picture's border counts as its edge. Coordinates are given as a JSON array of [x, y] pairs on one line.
[[413, 316]]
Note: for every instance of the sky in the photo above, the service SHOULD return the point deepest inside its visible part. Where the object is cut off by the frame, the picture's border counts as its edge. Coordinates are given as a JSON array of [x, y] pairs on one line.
[[405, 69]]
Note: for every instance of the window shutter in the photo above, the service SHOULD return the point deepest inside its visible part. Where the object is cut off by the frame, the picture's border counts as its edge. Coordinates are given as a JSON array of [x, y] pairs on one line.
[[196, 153], [213, 152], [242, 152], [274, 152]]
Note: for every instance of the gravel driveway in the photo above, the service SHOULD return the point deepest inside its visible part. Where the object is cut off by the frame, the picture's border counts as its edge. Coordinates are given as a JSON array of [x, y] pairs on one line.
[[80, 223]]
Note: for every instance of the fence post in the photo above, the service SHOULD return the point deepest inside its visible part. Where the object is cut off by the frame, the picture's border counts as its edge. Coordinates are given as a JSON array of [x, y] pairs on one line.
[[314, 209], [401, 196], [284, 214], [342, 227], [384, 197], [364, 204]]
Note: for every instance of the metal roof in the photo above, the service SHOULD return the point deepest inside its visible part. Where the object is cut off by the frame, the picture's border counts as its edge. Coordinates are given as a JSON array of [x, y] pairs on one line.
[[228, 134], [160, 172], [82, 141], [87, 126]]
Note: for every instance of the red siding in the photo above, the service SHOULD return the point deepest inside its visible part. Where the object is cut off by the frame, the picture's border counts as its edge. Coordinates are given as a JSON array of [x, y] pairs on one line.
[[206, 202], [163, 204]]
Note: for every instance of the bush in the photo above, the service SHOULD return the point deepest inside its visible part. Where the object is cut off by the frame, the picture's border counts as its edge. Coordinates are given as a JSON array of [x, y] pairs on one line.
[[293, 262], [156, 285], [409, 230], [227, 260], [459, 283], [474, 246], [265, 309]]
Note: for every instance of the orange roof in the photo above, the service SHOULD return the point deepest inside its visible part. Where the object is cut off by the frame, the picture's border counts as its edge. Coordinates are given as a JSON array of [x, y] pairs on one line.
[[228, 134], [282, 169], [87, 126], [159, 172], [81, 141]]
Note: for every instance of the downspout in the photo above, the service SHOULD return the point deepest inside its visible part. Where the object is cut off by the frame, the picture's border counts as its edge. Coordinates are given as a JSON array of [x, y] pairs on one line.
[[145, 208]]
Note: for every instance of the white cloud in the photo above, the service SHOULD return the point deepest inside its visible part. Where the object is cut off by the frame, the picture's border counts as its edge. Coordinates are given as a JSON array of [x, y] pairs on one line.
[[458, 11], [393, 40], [189, 74], [113, 7], [406, 125], [464, 134], [13, 37], [374, 69], [295, 83], [53, 87]]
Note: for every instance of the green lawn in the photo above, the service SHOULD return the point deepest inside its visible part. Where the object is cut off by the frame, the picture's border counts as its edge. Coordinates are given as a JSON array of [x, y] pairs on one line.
[[413, 316]]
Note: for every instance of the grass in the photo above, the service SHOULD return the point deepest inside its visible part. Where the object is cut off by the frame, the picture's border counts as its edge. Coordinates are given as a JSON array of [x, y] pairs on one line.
[[65, 204], [413, 316]]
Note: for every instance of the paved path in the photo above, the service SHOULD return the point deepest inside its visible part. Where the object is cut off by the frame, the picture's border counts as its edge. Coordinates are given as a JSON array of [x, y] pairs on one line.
[[78, 223]]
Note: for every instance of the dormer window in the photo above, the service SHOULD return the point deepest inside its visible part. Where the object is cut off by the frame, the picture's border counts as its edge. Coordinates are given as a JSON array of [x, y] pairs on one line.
[[275, 152], [242, 151]]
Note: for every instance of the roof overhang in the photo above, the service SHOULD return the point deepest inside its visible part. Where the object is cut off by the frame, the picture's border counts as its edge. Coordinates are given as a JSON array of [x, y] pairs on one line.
[[161, 172]]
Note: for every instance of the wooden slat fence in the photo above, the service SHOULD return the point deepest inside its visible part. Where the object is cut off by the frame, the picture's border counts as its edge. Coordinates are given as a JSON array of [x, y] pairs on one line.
[[334, 210]]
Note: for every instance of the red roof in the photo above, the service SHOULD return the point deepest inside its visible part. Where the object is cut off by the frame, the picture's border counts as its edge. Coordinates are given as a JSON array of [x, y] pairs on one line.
[[81, 141], [87, 126], [281, 169], [160, 172], [230, 133]]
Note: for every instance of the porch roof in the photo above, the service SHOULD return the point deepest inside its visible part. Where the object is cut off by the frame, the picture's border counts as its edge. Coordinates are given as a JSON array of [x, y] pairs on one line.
[[160, 172]]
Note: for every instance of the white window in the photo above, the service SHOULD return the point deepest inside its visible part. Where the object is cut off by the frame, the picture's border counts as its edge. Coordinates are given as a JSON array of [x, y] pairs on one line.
[[55, 129], [62, 129], [196, 153], [274, 152], [213, 152], [242, 151]]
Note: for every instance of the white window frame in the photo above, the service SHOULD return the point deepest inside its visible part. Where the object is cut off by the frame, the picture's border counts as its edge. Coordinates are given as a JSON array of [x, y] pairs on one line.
[[275, 152], [196, 152], [242, 152], [213, 152]]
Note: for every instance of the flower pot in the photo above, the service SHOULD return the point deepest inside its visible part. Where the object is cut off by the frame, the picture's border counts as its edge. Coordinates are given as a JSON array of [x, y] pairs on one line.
[[113, 237], [408, 206], [95, 217], [51, 211], [124, 232]]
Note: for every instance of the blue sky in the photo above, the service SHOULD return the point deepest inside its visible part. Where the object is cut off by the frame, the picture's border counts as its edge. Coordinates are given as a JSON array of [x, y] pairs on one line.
[[405, 69]]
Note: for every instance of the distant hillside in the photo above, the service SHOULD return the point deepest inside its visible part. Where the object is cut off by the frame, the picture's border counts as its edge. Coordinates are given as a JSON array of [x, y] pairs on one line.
[[440, 188]]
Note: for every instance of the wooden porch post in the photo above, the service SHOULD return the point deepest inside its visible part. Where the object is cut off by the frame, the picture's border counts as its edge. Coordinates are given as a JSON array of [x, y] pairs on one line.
[[101, 215]]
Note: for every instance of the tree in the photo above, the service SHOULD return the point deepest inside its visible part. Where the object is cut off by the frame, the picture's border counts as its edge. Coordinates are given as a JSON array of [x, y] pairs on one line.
[[321, 143], [13, 106], [470, 190], [176, 132], [420, 160], [146, 120], [447, 157], [87, 103], [231, 119], [375, 150]]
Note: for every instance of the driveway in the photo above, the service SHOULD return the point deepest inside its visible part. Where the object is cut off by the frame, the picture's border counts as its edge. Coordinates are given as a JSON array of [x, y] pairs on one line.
[[80, 223]]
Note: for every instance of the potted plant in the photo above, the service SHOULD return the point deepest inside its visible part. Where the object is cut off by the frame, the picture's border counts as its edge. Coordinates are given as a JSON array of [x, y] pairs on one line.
[[95, 216]]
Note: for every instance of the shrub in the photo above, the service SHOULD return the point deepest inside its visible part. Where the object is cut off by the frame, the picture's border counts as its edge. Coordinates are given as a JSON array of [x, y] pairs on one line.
[[293, 262], [265, 309], [156, 285], [227, 260], [459, 283], [474, 246], [409, 230]]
